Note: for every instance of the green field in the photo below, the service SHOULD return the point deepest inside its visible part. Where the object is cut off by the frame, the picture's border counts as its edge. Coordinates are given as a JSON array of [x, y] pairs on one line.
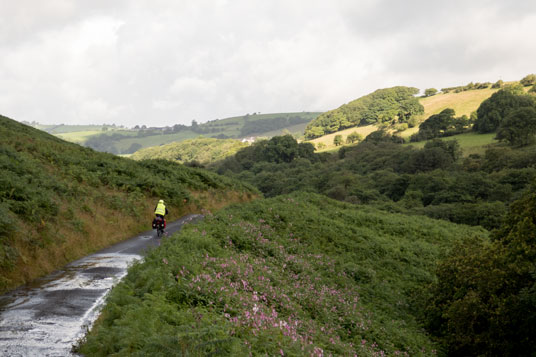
[[470, 143], [78, 137]]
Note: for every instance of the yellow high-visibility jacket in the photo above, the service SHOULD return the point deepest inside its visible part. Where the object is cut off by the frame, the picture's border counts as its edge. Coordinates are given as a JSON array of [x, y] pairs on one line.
[[160, 209]]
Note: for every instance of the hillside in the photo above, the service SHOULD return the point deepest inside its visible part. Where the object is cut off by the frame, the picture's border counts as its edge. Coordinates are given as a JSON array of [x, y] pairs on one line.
[[383, 106], [436, 179], [463, 102], [60, 201], [293, 275], [201, 150], [118, 140]]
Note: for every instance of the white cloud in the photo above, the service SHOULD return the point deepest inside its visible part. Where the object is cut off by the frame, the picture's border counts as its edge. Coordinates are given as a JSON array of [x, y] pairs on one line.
[[163, 62]]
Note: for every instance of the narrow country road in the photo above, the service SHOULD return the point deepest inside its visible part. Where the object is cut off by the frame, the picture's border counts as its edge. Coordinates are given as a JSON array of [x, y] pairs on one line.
[[48, 316]]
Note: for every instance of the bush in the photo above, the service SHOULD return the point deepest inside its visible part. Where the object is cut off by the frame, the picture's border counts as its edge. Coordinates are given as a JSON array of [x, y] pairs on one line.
[[483, 301]]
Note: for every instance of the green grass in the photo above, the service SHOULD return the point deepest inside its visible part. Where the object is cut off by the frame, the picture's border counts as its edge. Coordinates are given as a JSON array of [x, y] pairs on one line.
[[49, 186], [78, 137], [293, 275], [470, 143], [202, 150]]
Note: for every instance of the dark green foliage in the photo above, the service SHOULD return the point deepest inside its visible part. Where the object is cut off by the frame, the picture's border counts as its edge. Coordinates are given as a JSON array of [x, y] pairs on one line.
[[519, 127], [337, 140], [347, 277], [383, 105], [438, 123], [279, 149], [432, 181], [437, 154], [493, 110], [353, 137], [484, 300], [379, 136], [441, 125]]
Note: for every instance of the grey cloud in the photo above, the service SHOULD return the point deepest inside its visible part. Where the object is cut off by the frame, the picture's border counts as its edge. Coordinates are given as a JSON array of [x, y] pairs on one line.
[[165, 62]]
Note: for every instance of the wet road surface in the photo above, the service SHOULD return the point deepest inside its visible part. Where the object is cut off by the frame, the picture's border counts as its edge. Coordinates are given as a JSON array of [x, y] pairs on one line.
[[48, 316]]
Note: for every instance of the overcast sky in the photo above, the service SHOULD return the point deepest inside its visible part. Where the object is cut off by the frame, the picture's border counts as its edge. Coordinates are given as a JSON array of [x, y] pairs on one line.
[[163, 62]]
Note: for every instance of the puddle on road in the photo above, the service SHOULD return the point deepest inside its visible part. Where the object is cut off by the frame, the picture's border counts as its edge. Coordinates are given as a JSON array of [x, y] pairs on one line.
[[48, 316]]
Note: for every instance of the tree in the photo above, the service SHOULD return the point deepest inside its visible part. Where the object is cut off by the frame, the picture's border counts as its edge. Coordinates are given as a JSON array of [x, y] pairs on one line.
[[484, 300], [533, 89], [337, 140], [494, 109], [528, 80], [519, 127], [354, 137], [438, 123], [383, 105], [430, 92], [498, 84]]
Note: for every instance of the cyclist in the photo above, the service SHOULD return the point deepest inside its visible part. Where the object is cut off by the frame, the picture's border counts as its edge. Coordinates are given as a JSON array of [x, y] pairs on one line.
[[161, 210]]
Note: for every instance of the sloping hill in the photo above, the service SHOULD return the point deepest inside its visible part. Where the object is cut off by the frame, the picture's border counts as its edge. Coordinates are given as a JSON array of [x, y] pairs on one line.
[[202, 150], [382, 106], [59, 201], [464, 103], [127, 141], [295, 275]]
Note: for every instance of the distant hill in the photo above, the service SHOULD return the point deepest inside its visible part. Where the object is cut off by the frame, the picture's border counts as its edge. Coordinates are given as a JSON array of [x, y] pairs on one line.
[[119, 140], [396, 104], [60, 201], [201, 150], [464, 102]]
